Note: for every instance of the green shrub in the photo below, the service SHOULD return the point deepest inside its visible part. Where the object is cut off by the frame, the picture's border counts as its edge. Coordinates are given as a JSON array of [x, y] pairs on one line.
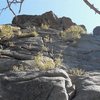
[[74, 32]]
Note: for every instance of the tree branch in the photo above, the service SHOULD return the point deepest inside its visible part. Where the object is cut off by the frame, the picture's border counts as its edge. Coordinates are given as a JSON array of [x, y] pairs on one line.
[[21, 5], [92, 6], [9, 6], [10, 3]]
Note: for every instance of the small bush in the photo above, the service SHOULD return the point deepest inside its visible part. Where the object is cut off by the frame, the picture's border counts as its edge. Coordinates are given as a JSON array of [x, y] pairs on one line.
[[44, 26], [58, 61], [44, 48], [74, 32], [9, 31], [34, 33], [43, 62], [76, 71], [6, 31], [46, 38]]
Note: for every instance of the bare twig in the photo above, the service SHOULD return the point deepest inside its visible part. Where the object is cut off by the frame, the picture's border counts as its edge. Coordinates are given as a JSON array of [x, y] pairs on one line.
[[9, 6], [1, 10], [21, 5], [10, 3]]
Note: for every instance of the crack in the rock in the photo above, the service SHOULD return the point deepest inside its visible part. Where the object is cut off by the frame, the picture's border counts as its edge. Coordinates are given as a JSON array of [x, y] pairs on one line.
[[50, 93]]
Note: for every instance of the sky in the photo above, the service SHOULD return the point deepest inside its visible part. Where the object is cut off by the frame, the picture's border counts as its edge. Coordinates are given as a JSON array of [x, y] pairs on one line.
[[77, 10]]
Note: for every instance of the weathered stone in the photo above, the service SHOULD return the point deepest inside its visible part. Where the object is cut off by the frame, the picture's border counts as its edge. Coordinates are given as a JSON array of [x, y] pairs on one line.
[[65, 22], [48, 18], [88, 87], [96, 30], [6, 64], [49, 85], [84, 53], [22, 79]]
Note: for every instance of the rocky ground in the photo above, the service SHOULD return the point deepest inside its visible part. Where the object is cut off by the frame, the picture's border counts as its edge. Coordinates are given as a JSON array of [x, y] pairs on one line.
[[76, 78]]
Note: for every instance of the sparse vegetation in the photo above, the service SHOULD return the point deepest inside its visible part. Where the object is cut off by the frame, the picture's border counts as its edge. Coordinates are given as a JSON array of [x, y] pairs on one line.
[[76, 71], [41, 62], [9, 31], [6, 31], [47, 38], [16, 30], [19, 68], [34, 33], [72, 33], [58, 61], [44, 48], [44, 26], [45, 63]]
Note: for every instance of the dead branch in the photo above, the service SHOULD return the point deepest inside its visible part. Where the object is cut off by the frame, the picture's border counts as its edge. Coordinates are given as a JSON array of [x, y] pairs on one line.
[[10, 3], [92, 6], [9, 6]]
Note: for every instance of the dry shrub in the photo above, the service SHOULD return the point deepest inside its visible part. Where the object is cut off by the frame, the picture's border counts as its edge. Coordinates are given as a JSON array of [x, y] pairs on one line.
[[72, 33]]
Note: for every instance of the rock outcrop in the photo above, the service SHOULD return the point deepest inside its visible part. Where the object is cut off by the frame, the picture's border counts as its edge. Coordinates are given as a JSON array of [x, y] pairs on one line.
[[25, 49], [48, 18], [84, 53], [65, 23], [22, 78]]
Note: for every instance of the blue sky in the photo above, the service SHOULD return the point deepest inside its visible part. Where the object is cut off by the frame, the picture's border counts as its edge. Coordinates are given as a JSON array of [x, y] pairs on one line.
[[77, 10]]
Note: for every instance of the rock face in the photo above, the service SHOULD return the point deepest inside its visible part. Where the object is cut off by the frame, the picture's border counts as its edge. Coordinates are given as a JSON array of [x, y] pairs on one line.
[[96, 30], [88, 87], [22, 79], [84, 53], [49, 85], [48, 18]]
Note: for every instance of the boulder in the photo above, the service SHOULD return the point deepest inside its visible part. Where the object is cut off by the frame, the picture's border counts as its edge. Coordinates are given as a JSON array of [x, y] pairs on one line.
[[88, 86], [35, 85], [96, 30]]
